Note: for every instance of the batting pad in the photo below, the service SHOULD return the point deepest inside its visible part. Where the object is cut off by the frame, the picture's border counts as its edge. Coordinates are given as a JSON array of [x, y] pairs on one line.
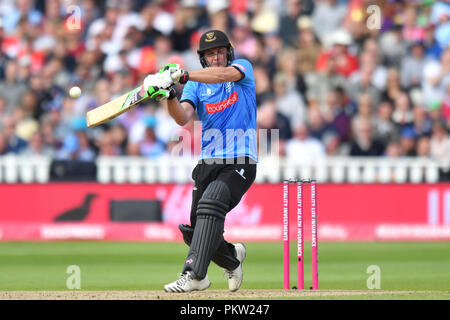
[[224, 256]]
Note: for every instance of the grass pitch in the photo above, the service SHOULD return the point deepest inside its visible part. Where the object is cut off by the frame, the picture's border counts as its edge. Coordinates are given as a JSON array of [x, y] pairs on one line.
[[408, 270]]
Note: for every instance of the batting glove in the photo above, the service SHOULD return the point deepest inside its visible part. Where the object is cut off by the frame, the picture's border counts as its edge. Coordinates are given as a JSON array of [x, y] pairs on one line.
[[152, 80], [178, 75], [159, 94], [173, 67], [160, 80]]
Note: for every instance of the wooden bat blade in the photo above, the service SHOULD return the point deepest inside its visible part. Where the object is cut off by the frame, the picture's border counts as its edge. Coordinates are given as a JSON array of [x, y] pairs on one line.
[[116, 107]]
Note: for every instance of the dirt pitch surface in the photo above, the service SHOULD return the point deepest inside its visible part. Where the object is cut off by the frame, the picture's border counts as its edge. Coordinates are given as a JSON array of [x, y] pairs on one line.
[[211, 294]]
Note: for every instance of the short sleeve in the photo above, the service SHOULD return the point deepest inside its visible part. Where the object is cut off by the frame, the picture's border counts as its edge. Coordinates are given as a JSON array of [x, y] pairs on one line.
[[190, 93], [246, 68]]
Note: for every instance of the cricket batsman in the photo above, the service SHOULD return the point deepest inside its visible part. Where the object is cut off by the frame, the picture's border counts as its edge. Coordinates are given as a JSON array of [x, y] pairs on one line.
[[223, 96]]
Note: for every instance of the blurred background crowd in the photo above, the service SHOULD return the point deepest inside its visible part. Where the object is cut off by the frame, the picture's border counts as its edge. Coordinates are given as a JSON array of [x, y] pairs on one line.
[[329, 76]]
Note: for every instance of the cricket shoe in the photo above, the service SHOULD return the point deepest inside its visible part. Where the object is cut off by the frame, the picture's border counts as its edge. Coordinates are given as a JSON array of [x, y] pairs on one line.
[[235, 276], [187, 283]]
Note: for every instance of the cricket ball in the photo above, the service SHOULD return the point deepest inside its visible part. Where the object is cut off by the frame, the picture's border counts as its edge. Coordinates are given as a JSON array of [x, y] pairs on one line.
[[75, 92]]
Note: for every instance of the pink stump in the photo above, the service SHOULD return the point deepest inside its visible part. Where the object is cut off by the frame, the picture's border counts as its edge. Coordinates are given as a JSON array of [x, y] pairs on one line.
[[286, 235], [300, 256], [314, 238]]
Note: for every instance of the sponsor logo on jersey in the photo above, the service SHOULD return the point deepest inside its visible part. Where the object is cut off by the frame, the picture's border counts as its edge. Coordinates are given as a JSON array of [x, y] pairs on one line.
[[222, 105]]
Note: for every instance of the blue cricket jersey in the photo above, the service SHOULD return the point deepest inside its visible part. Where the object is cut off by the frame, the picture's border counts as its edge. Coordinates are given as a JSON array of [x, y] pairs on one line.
[[228, 114]]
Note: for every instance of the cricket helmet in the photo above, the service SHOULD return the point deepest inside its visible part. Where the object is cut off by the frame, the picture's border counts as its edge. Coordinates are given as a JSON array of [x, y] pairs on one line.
[[214, 39]]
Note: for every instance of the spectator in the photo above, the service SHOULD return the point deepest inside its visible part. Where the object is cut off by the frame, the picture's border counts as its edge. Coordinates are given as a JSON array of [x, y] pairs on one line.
[[104, 26], [133, 149], [338, 113], [392, 45], [10, 89], [219, 16], [106, 145], [287, 64], [264, 18], [435, 75], [263, 84], [273, 44], [308, 46], [346, 63], [288, 22], [408, 141], [3, 144], [318, 128], [362, 81], [166, 125], [36, 146], [446, 104], [120, 138], [307, 7], [321, 83], [371, 58], [393, 86], [333, 146], [304, 148], [182, 31], [289, 103], [2, 107], [14, 142], [440, 141], [433, 48], [30, 104], [402, 115], [365, 109], [26, 125], [423, 146], [90, 14], [411, 72], [384, 128], [421, 121], [157, 20], [365, 144], [440, 16], [269, 118], [22, 9], [328, 16], [393, 149], [163, 51], [49, 131], [411, 31], [262, 57], [190, 57], [76, 144], [150, 146], [434, 110], [186, 141], [195, 17], [243, 40]]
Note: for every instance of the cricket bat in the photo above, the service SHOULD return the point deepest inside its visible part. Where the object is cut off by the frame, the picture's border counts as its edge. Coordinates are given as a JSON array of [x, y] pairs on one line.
[[116, 107]]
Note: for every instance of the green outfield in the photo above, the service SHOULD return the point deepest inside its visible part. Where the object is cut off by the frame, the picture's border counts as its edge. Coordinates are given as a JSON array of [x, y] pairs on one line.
[[414, 270]]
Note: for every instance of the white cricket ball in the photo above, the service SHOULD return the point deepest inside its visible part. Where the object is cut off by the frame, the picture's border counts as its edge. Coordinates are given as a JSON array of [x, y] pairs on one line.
[[75, 92]]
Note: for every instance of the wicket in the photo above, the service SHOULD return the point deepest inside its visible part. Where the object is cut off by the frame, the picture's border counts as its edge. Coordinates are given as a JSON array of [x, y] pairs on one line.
[[300, 229]]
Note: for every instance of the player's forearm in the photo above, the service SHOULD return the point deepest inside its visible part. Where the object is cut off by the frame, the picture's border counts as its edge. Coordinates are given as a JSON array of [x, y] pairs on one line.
[[215, 75], [177, 112]]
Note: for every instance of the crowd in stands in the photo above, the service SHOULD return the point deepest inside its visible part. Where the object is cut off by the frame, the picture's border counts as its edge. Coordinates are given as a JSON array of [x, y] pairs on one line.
[[335, 77]]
